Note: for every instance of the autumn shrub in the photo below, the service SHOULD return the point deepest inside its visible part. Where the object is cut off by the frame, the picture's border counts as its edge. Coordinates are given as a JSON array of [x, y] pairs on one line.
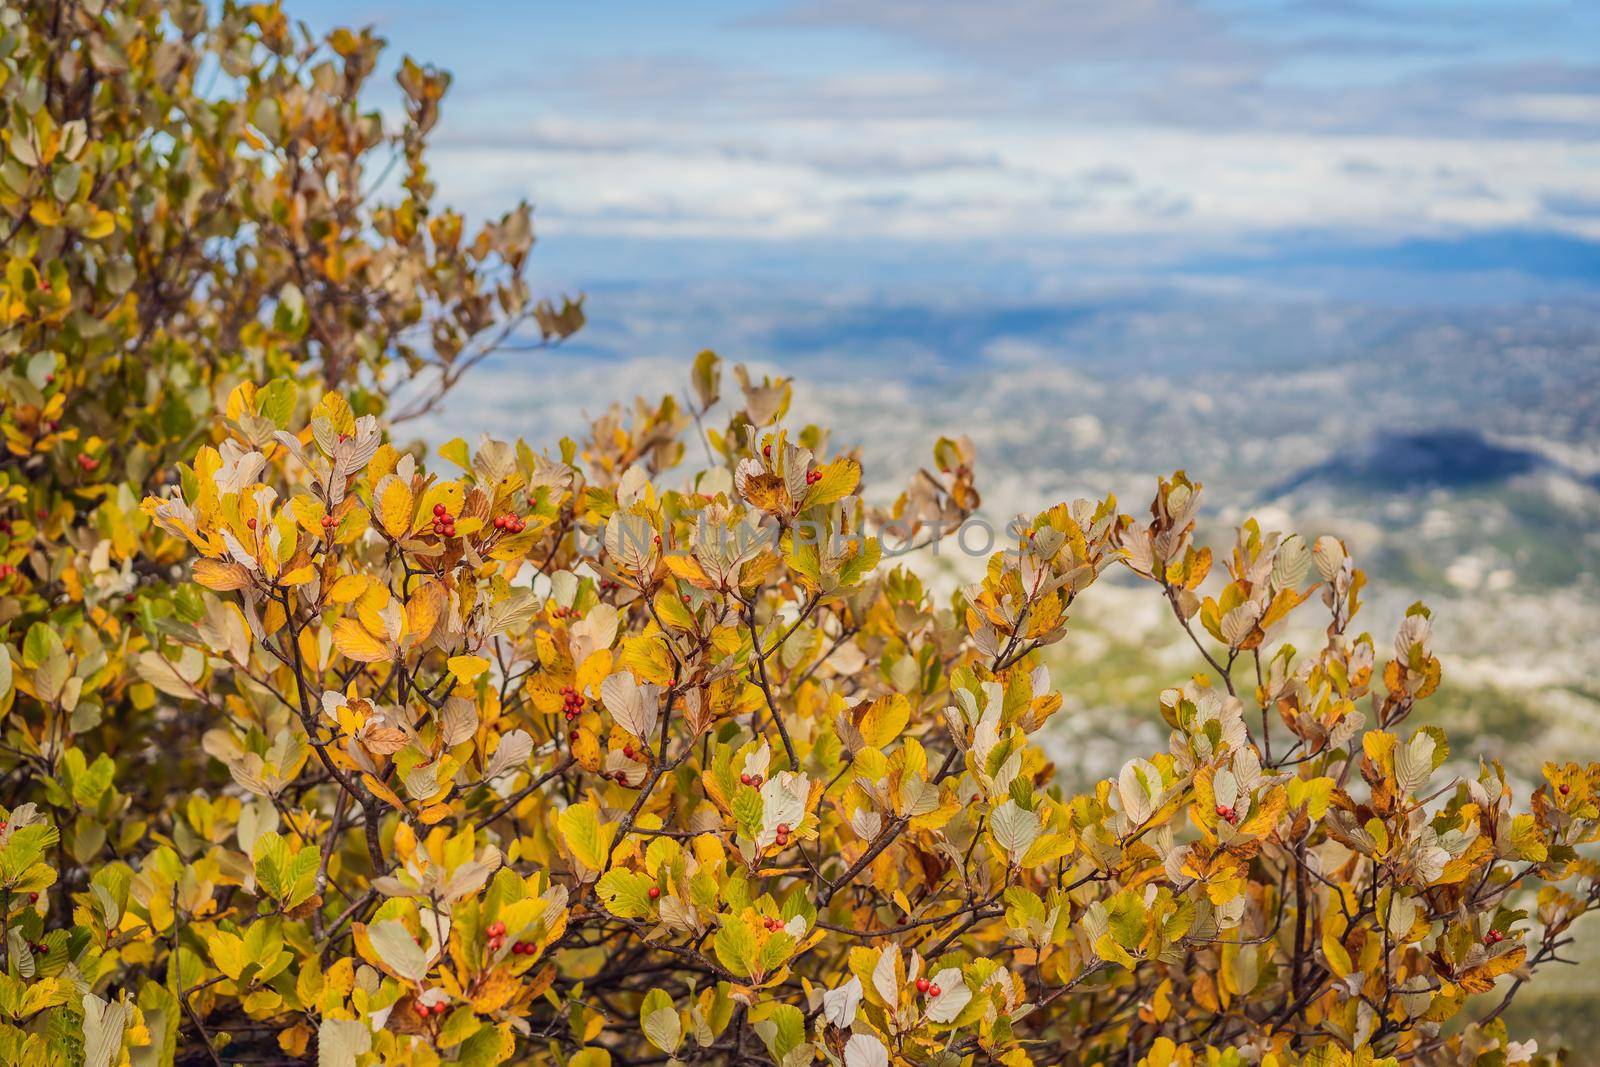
[[643, 748]]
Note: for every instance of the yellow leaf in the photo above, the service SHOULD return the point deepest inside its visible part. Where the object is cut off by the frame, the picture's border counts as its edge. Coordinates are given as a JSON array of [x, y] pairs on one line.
[[383, 792], [689, 569], [593, 671], [839, 479], [347, 589], [384, 462], [586, 749], [100, 226], [466, 668], [355, 642], [395, 507], [881, 720], [495, 990], [215, 574], [299, 576], [433, 813], [422, 611]]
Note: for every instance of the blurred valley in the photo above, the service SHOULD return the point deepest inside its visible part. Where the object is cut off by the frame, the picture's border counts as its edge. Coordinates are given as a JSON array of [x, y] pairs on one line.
[[1456, 449]]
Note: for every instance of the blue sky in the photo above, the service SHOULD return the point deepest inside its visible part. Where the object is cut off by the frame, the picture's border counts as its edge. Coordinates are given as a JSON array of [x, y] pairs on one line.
[[1055, 139]]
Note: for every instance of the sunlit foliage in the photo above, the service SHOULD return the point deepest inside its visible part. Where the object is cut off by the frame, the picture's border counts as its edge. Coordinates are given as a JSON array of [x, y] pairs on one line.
[[639, 749]]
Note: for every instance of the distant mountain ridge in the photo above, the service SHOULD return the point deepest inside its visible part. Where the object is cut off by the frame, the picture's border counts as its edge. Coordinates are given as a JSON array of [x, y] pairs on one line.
[[1448, 457]]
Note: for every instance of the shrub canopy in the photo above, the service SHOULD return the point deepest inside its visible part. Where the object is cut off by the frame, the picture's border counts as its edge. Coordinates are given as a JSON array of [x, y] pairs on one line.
[[636, 750]]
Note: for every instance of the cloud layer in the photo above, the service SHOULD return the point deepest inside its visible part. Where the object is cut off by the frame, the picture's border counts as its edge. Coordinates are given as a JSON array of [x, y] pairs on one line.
[[942, 120]]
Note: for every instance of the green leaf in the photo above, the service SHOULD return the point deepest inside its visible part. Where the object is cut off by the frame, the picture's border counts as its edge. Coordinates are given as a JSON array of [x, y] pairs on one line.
[[625, 893], [586, 837], [659, 1018], [24, 848], [271, 855], [735, 945]]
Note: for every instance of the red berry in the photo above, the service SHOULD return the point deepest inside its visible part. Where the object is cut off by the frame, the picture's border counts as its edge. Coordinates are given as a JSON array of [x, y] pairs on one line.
[[766, 450], [922, 985], [421, 1009], [327, 521], [439, 510], [655, 892], [88, 463], [41, 949], [657, 540], [685, 598], [497, 929], [744, 779], [33, 898], [934, 991], [783, 829], [250, 523], [627, 751], [1565, 789]]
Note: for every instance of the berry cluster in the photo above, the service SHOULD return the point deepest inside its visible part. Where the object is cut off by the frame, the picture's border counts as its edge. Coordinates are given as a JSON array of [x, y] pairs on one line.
[[425, 1011], [1227, 814], [497, 937], [772, 925], [510, 524], [783, 834], [444, 524], [573, 701], [1493, 937], [329, 522], [930, 988], [751, 780], [813, 477]]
